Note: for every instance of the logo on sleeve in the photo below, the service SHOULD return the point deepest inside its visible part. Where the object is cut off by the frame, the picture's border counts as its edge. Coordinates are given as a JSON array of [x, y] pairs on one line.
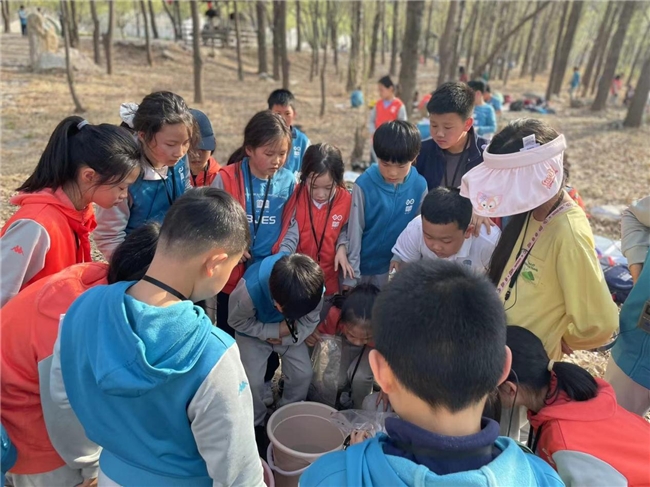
[[18, 249], [242, 386], [409, 206], [336, 220]]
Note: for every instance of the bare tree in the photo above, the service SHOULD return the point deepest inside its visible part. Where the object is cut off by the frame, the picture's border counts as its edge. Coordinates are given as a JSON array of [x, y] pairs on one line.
[[152, 16], [334, 30], [326, 35], [284, 57], [557, 52], [276, 39], [525, 65], [612, 56], [445, 44], [315, 38], [600, 59], [374, 40], [108, 37], [639, 101], [96, 33], [382, 6], [240, 66], [353, 65], [472, 27], [78, 108], [196, 45], [541, 55], [394, 38], [6, 16], [410, 52], [563, 49], [298, 27], [72, 23], [172, 17], [455, 46], [147, 40], [489, 19], [262, 64], [179, 18], [637, 54]]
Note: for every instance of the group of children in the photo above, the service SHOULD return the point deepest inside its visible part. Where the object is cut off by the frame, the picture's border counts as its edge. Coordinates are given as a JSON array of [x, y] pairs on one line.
[[135, 385]]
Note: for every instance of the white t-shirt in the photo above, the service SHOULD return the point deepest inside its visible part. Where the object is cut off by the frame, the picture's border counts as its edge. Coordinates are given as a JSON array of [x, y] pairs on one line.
[[475, 251]]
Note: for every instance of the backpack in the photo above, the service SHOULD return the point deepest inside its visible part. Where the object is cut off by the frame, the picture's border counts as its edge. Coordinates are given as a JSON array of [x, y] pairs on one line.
[[619, 282], [517, 106]]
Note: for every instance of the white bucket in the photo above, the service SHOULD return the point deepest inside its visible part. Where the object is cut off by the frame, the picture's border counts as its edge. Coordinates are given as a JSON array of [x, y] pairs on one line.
[[282, 478]]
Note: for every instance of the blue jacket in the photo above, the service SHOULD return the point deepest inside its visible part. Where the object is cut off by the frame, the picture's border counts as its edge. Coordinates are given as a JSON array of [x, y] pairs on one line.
[[257, 284], [631, 352], [431, 162], [150, 199], [366, 465], [131, 372], [485, 119], [387, 210], [299, 145], [9, 454]]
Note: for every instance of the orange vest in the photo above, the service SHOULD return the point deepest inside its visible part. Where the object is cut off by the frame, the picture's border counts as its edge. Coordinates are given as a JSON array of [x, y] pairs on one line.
[[233, 184], [387, 114], [29, 325], [326, 223], [205, 177], [69, 229]]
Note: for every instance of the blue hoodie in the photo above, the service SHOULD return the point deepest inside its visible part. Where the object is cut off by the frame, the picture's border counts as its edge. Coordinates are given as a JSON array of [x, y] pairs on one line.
[[299, 145], [160, 389], [485, 119], [366, 465], [257, 284], [387, 210]]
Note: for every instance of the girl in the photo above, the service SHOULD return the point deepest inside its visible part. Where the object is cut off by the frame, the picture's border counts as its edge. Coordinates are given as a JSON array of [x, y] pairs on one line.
[[82, 164], [166, 130], [576, 424], [387, 109], [316, 217], [349, 317], [261, 184]]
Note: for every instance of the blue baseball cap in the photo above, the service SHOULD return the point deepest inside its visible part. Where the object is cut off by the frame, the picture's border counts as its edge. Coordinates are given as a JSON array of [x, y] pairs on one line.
[[208, 141]]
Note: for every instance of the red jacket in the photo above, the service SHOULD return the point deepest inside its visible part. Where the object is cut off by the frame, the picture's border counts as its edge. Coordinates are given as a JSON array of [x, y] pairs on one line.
[[326, 223], [594, 442], [205, 177], [29, 325], [233, 184], [387, 114], [69, 229]]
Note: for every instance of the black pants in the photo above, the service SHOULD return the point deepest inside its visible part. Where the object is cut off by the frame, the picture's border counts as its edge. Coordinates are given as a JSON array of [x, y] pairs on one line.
[[23, 28]]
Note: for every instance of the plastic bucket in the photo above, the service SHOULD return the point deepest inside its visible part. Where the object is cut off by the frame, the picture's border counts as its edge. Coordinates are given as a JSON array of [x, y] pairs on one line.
[[302, 432], [269, 481], [282, 478]]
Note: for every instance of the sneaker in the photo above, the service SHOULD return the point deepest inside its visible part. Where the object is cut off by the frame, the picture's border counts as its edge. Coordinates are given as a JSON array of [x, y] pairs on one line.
[[267, 396]]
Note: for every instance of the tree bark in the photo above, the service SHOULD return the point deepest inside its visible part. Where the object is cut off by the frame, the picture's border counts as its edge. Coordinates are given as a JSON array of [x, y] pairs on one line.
[[328, 25], [634, 116], [476, 11], [529, 47], [78, 108], [284, 57], [455, 46], [605, 43], [637, 55], [298, 30], [557, 52], [315, 44], [542, 52], [108, 38], [410, 57], [72, 23], [609, 71], [147, 40], [394, 38], [335, 40], [567, 44], [262, 63], [6, 16], [444, 44], [591, 62], [374, 41], [240, 66], [152, 17], [355, 47], [198, 59], [276, 40], [172, 18], [179, 19], [427, 32], [96, 33]]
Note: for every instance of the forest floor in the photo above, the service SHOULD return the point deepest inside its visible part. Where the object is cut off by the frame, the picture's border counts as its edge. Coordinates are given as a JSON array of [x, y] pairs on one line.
[[608, 165]]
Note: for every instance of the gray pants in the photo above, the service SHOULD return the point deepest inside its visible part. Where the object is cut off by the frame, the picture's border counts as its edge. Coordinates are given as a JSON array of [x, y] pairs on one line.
[[61, 477], [360, 381], [296, 369]]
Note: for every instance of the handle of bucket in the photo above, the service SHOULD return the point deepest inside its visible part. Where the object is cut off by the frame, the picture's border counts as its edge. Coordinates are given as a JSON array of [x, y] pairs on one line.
[[269, 460]]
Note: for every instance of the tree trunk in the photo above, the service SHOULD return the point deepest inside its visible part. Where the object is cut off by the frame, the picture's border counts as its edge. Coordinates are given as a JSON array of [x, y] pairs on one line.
[[612, 56], [557, 52], [147, 40], [137, 19], [637, 55], [78, 108], [179, 19], [6, 16], [284, 57], [355, 47], [198, 59], [410, 57], [605, 43], [454, 55], [152, 17], [298, 30], [476, 11], [108, 38], [315, 13], [326, 34], [374, 41], [276, 40], [542, 52], [444, 44], [567, 44], [382, 4], [96, 33], [72, 23], [597, 47], [262, 64], [335, 40], [394, 38], [172, 18], [639, 101], [485, 43], [240, 66], [529, 47], [427, 33]]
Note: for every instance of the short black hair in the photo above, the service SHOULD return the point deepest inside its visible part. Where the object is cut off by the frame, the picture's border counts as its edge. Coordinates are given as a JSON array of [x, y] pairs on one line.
[[386, 82], [132, 258], [296, 284], [452, 97], [478, 85], [397, 142], [488, 89], [202, 219], [442, 329], [446, 205], [282, 98]]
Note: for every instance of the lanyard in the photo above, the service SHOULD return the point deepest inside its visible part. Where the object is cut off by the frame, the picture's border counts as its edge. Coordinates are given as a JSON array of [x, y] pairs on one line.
[[165, 287], [319, 244], [523, 255], [256, 225], [205, 175], [464, 157]]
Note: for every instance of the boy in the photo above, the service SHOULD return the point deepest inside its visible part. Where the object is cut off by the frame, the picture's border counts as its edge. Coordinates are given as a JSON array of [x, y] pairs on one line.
[[492, 100], [443, 231], [454, 147], [275, 306], [437, 368], [385, 198], [203, 167], [282, 102], [485, 120], [575, 82], [152, 381]]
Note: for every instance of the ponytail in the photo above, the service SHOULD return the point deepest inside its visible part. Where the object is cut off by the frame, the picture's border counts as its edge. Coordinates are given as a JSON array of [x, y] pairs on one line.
[[132, 257], [574, 381], [109, 150]]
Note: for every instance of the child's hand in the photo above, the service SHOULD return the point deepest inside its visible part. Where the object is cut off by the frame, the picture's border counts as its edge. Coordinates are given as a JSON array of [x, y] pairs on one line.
[[478, 221], [88, 483], [284, 329], [358, 436], [246, 256], [341, 260], [313, 339], [394, 266]]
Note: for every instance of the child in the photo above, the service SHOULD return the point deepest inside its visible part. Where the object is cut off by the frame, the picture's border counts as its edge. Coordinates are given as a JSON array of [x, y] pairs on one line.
[[82, 164], [203, 167], [318, 213], [576, 425], [388, 109], [275, 306], [282, 102], [454, 147], [22, 16], [574, 84], [438, 368], [385, 199], [485, 120], [166, 131], [262, 184], [30, 324], [462, 75], [349, 317], [492, 100], [168, 381], [443, 231]]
